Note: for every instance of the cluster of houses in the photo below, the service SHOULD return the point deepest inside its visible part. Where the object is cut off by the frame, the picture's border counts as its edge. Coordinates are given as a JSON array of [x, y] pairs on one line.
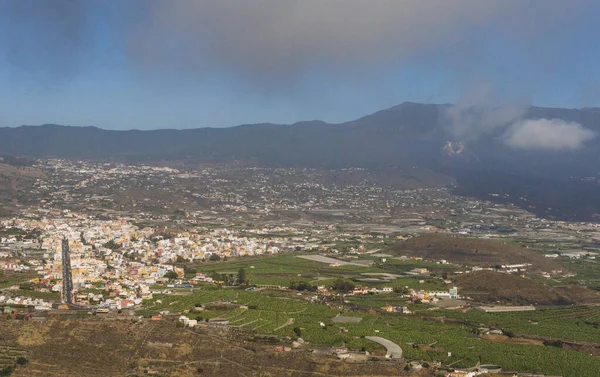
[[37, 303], [187, 322], [396, 309], [476, 371], [112, 256], [105, 252], [573, 254], [371, 290], [433, 296]]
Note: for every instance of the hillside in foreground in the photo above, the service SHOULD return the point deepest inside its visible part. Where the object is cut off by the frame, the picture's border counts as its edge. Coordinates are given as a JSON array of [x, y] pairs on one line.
[[96, 347]]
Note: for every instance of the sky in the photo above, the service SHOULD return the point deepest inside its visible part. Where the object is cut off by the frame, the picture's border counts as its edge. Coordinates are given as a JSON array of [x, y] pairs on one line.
[[149, 64]]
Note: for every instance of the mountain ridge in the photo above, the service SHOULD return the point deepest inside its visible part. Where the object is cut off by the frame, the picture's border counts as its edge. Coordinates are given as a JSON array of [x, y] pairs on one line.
[[389, 109], [408, 133], [404, 136]]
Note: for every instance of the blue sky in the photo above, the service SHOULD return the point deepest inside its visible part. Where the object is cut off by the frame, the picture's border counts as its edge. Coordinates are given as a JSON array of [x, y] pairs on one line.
[[150, 64]]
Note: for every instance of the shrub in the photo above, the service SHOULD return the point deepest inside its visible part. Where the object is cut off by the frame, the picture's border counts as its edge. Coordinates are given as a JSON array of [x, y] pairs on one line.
[[171, 275], [297, 331], [341, 285]]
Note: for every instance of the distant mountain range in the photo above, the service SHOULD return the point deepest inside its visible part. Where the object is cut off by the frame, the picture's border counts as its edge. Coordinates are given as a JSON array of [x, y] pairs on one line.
[[406, 134], [465, 143]]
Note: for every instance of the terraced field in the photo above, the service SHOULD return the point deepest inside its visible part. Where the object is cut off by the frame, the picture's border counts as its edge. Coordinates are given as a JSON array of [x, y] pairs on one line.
[[99, 348], [578, 323], [421, 336], [10, 358]]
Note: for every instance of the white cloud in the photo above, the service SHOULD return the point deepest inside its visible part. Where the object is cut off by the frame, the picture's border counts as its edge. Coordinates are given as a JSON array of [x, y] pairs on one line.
[[547, 134], [478, 114]]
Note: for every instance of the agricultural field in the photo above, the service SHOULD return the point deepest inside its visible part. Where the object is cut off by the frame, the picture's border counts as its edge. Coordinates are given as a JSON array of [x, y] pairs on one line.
[[587, 272], [287, 268], [421, 337], [431, 333], [578, 323], [11, 357], [7, 280], [48, 296]]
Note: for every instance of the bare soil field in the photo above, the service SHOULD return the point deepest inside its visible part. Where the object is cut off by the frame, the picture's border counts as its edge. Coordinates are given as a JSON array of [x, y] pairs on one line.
[[506, 339]]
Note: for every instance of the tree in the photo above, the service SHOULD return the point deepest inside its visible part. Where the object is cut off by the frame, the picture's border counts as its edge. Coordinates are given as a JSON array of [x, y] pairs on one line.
[[401, 290], [307, 287], [214, 258], [217, 276], [83, 241], [297, 331], [241, 276], [112, 245], [26, 287], [7, 370], [302, 286], [171, 275], [342, 286]]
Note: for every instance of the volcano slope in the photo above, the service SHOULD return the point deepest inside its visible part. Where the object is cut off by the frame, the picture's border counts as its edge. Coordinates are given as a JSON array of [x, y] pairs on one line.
[[471, 251], [492, 287]]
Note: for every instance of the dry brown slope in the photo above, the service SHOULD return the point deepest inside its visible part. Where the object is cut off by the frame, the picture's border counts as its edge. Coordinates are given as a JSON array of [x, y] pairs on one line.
[[471, 251], [95, 347], [15, 182], [518, 290]]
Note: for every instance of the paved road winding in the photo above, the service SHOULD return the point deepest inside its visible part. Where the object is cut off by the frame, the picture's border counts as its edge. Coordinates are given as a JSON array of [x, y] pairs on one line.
[[393, 350]]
